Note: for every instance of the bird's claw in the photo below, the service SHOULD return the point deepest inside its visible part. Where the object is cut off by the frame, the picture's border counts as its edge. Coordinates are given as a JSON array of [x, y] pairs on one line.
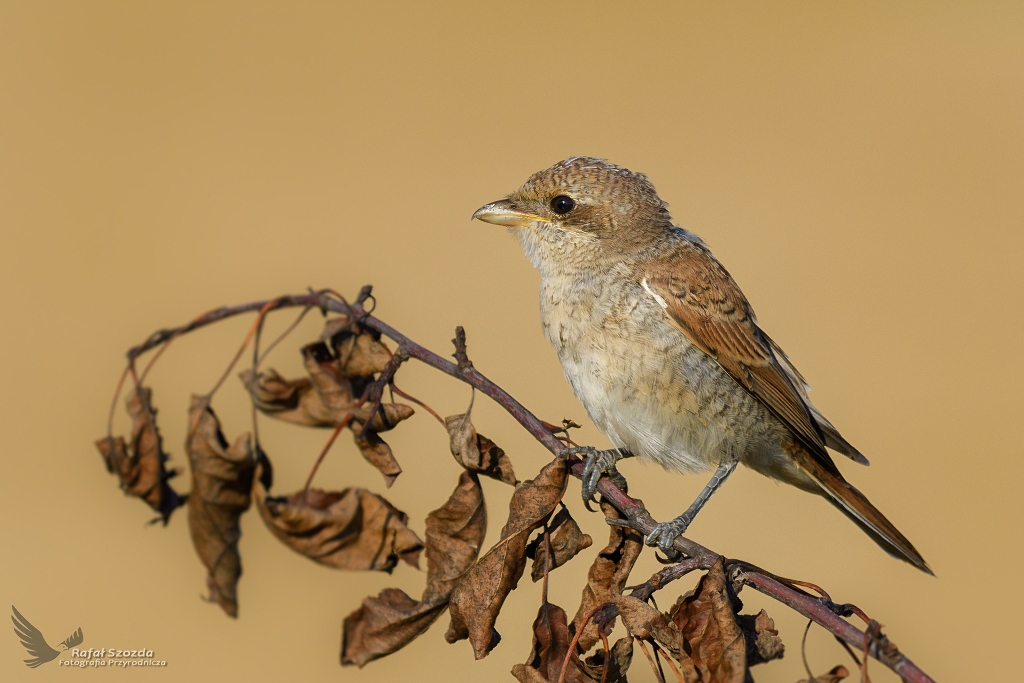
[[597, 464], [664, 534]]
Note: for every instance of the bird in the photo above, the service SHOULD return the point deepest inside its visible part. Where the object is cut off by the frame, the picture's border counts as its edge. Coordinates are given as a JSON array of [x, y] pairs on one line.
[[33, 640], [664, 351]]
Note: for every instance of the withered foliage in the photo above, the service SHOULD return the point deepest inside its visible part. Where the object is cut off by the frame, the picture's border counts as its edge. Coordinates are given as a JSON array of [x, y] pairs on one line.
[[608, 574], [763, 641], [712, 637], [332, 395], [221, 491], [479, 595], [141, 464], [388, 622], [566, 540], [348, 529], [360, 352], [702, 638], [475, 451], [551, 639]]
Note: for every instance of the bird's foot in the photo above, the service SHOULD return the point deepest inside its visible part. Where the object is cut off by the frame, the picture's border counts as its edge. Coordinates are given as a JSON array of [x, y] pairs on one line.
[[665, 534], [596, 464]]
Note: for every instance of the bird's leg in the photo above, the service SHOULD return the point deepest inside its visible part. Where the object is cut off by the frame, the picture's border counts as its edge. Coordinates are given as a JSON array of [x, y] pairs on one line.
[[664, 534], [598, 463]]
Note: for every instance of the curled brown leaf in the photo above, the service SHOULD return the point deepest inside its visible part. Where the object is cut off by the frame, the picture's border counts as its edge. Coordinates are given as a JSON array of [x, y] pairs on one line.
[[646, 623], [326, 399], [378, 453], [388, 622], [386, 417], [608, 573], [221, 492], [361, 355], [348, 529], [619, 657], [712, 637], [141, 464], [550, 647], [566, 540], [475, 451], [290, 400], [763, 642], [333, 388], [479, 595]]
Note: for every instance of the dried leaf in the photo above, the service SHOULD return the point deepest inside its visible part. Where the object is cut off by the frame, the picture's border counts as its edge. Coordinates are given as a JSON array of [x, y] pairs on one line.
[[455, 532], [140, 465], [361, 355], [326, 399], [293, 401], [608, 574], [383, 625], [334, 389], [837, 674], [550, 647], [348, 529], [646, 623], [221, 485], [387, 416], [475, 451], [479, 595], [713, 639], [619, 658], [566, 539], [763, 642], [391, 620], [378, 453]]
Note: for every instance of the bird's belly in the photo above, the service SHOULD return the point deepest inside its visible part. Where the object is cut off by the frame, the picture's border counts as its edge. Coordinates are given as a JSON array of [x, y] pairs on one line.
[[671, 404]]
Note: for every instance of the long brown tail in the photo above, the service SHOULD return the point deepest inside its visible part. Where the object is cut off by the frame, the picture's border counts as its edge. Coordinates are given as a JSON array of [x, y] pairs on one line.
[[859, 509]]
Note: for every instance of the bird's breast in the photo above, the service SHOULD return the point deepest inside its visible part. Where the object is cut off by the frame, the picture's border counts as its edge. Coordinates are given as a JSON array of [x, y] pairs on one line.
[[644, 384]]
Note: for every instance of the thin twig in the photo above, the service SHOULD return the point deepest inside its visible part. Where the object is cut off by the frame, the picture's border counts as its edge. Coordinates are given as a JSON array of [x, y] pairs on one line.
[[803, 651], [418, 402], [323, 453], [671, 663], [657, 669], [575, 640]]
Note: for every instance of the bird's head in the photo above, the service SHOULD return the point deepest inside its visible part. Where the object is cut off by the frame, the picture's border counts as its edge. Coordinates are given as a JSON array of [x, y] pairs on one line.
[[580, 208]]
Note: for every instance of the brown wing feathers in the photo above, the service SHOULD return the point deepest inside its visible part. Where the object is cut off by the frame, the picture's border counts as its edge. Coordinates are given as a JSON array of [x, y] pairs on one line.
[[704, 301]]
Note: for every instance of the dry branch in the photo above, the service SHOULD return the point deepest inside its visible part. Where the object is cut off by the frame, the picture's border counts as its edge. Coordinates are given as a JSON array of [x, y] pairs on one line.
[[820, 610]]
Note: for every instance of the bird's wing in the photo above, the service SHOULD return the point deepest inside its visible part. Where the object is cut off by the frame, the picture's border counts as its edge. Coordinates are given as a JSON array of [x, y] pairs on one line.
[[33, 640], [74, 639], [702, 299]]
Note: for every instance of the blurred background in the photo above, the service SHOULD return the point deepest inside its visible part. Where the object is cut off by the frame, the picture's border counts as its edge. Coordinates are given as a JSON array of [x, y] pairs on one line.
[[858, 167]]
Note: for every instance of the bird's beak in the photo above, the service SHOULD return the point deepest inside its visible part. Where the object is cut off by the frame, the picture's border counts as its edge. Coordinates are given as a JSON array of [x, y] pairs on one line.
[[504, 212]]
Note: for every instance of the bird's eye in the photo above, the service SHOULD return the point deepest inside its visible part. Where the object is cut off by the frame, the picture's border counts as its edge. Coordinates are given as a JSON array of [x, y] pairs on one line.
[[562, 204]]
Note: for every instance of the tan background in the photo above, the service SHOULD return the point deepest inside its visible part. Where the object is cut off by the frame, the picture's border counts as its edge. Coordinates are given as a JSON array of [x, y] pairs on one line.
[[857, 166]]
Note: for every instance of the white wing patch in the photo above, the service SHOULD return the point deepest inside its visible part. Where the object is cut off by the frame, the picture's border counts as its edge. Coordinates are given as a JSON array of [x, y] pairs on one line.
[[657, 297]]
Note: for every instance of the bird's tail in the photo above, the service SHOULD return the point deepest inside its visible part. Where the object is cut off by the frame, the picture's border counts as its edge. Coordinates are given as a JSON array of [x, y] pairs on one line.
[[859, 509]]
